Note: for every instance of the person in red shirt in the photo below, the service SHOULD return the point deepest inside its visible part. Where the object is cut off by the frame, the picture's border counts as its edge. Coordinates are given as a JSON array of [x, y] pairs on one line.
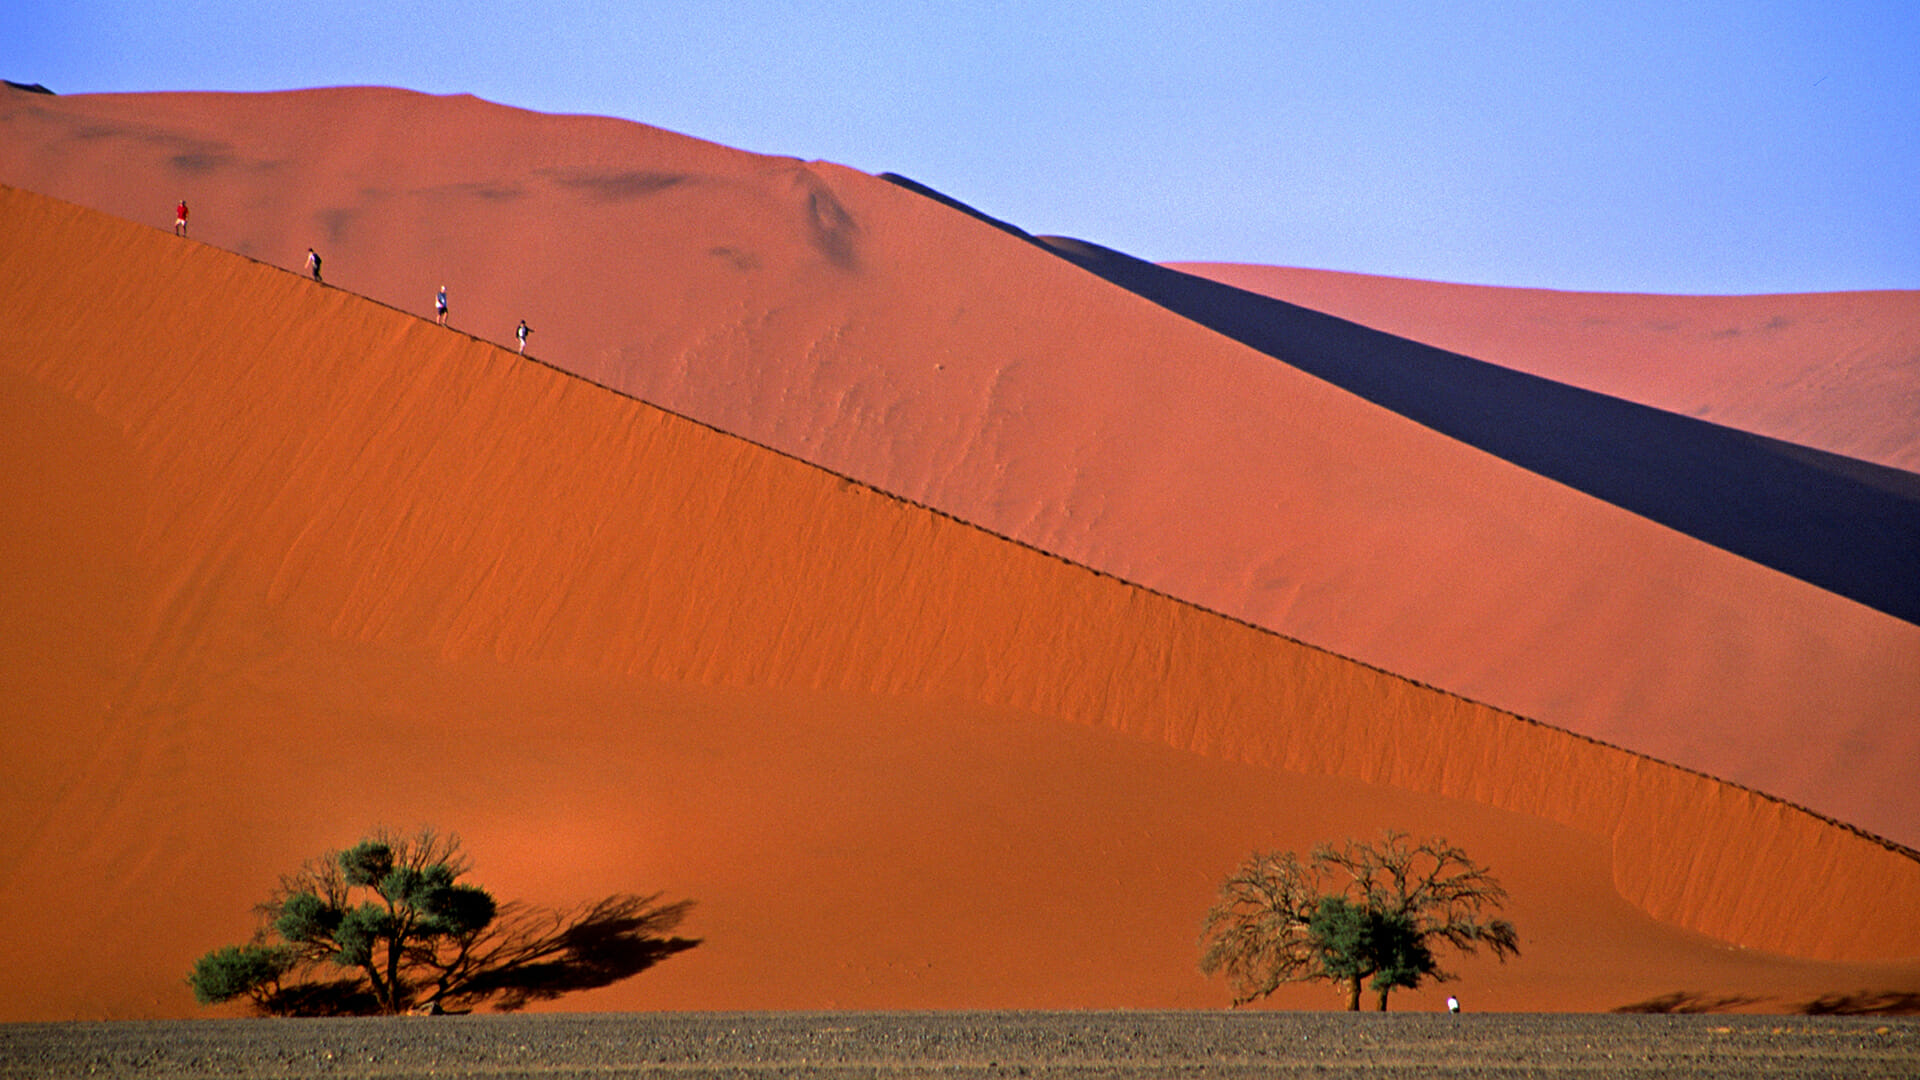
[[180, 219]]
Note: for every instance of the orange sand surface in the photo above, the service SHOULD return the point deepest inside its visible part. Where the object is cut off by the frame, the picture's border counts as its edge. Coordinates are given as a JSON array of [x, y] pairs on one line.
[[1835, 371], [281, 563], [852, 323]]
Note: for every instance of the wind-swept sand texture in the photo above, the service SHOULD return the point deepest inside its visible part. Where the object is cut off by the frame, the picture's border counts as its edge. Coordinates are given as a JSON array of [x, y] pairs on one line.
[[848, 321], [1836, 371], [281, 562]]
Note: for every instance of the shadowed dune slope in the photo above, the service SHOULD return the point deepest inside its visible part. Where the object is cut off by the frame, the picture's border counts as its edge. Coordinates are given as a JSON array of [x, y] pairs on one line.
[[1848, 526], [1839, 372], [282, 561], [848, 321]]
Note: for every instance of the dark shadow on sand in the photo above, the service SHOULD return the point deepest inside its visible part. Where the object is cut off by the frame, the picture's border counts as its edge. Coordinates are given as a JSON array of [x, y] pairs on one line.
[[1866, 1003], [1861, 1003], [1685, 1003], [1849, 526]]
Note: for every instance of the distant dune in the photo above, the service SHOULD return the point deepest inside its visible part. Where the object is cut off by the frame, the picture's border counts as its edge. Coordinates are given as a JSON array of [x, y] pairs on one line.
[[1834, 371], [1848, 526], [975, 716]]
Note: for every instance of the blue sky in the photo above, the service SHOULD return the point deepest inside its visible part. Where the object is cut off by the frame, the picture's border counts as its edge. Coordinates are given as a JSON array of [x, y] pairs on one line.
[[1635, 147]]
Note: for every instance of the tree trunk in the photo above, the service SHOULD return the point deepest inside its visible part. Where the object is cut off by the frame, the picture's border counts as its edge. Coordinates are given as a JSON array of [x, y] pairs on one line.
[[1353, 993], [380, 994], [1384, 991], [396, 1002]]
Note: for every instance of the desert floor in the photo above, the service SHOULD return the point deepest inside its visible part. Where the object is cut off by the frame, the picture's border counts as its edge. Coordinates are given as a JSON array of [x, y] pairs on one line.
[[969, 1044]]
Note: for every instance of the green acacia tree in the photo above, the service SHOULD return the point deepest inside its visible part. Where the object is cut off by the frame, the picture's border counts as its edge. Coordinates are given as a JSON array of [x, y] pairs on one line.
[[1360, 913], [1355, 943], [388, 926]]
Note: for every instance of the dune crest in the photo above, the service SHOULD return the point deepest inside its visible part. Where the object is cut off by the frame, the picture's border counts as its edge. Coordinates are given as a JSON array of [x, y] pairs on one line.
[[346, 536]]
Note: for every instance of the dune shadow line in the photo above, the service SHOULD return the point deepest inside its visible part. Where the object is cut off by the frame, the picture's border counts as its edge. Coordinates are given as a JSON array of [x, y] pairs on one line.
[[1848, 526]]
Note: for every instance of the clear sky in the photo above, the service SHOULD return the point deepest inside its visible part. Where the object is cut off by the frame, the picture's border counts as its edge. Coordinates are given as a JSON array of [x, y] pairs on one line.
[[1672, 146]]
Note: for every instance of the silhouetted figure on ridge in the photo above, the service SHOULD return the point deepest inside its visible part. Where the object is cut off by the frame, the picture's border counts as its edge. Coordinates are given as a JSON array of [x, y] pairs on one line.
[[522, 333], [313, 263]]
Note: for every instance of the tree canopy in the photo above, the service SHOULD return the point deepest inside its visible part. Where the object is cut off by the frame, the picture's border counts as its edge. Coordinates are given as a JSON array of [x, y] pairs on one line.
[[387, 926], [1360, 912]]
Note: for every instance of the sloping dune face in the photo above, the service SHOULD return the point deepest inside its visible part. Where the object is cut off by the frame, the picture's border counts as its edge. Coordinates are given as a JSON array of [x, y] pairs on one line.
[[834, 316], [1835, 371], [280, 561], [1844, 525]]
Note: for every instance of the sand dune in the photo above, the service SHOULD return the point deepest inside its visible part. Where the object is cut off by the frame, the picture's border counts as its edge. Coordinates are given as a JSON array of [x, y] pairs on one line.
[[282, 561], [847, 321], [1834, 371], [1848, 526]]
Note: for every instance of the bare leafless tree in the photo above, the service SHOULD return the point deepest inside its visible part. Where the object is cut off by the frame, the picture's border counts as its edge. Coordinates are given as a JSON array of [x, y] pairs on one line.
[[1256, 932]]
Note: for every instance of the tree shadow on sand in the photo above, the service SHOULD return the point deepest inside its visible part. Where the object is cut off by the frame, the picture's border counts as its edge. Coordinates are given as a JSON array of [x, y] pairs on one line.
[[1686, 1002], [616, 939], [1866, 1003], [1860, 1003], [534, 955]]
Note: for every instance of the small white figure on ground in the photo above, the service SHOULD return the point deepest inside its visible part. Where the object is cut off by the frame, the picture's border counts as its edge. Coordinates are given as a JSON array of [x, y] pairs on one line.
[[1453, 1004]]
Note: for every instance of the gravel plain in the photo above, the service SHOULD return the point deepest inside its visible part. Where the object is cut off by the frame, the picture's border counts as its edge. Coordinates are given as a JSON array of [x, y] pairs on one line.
[[975, 1044]]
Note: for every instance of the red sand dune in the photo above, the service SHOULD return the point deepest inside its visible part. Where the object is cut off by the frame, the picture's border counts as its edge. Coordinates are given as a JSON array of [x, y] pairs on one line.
[[1847, 526], [1834, 371], [842, 319], [294, 522], [281, 561]]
